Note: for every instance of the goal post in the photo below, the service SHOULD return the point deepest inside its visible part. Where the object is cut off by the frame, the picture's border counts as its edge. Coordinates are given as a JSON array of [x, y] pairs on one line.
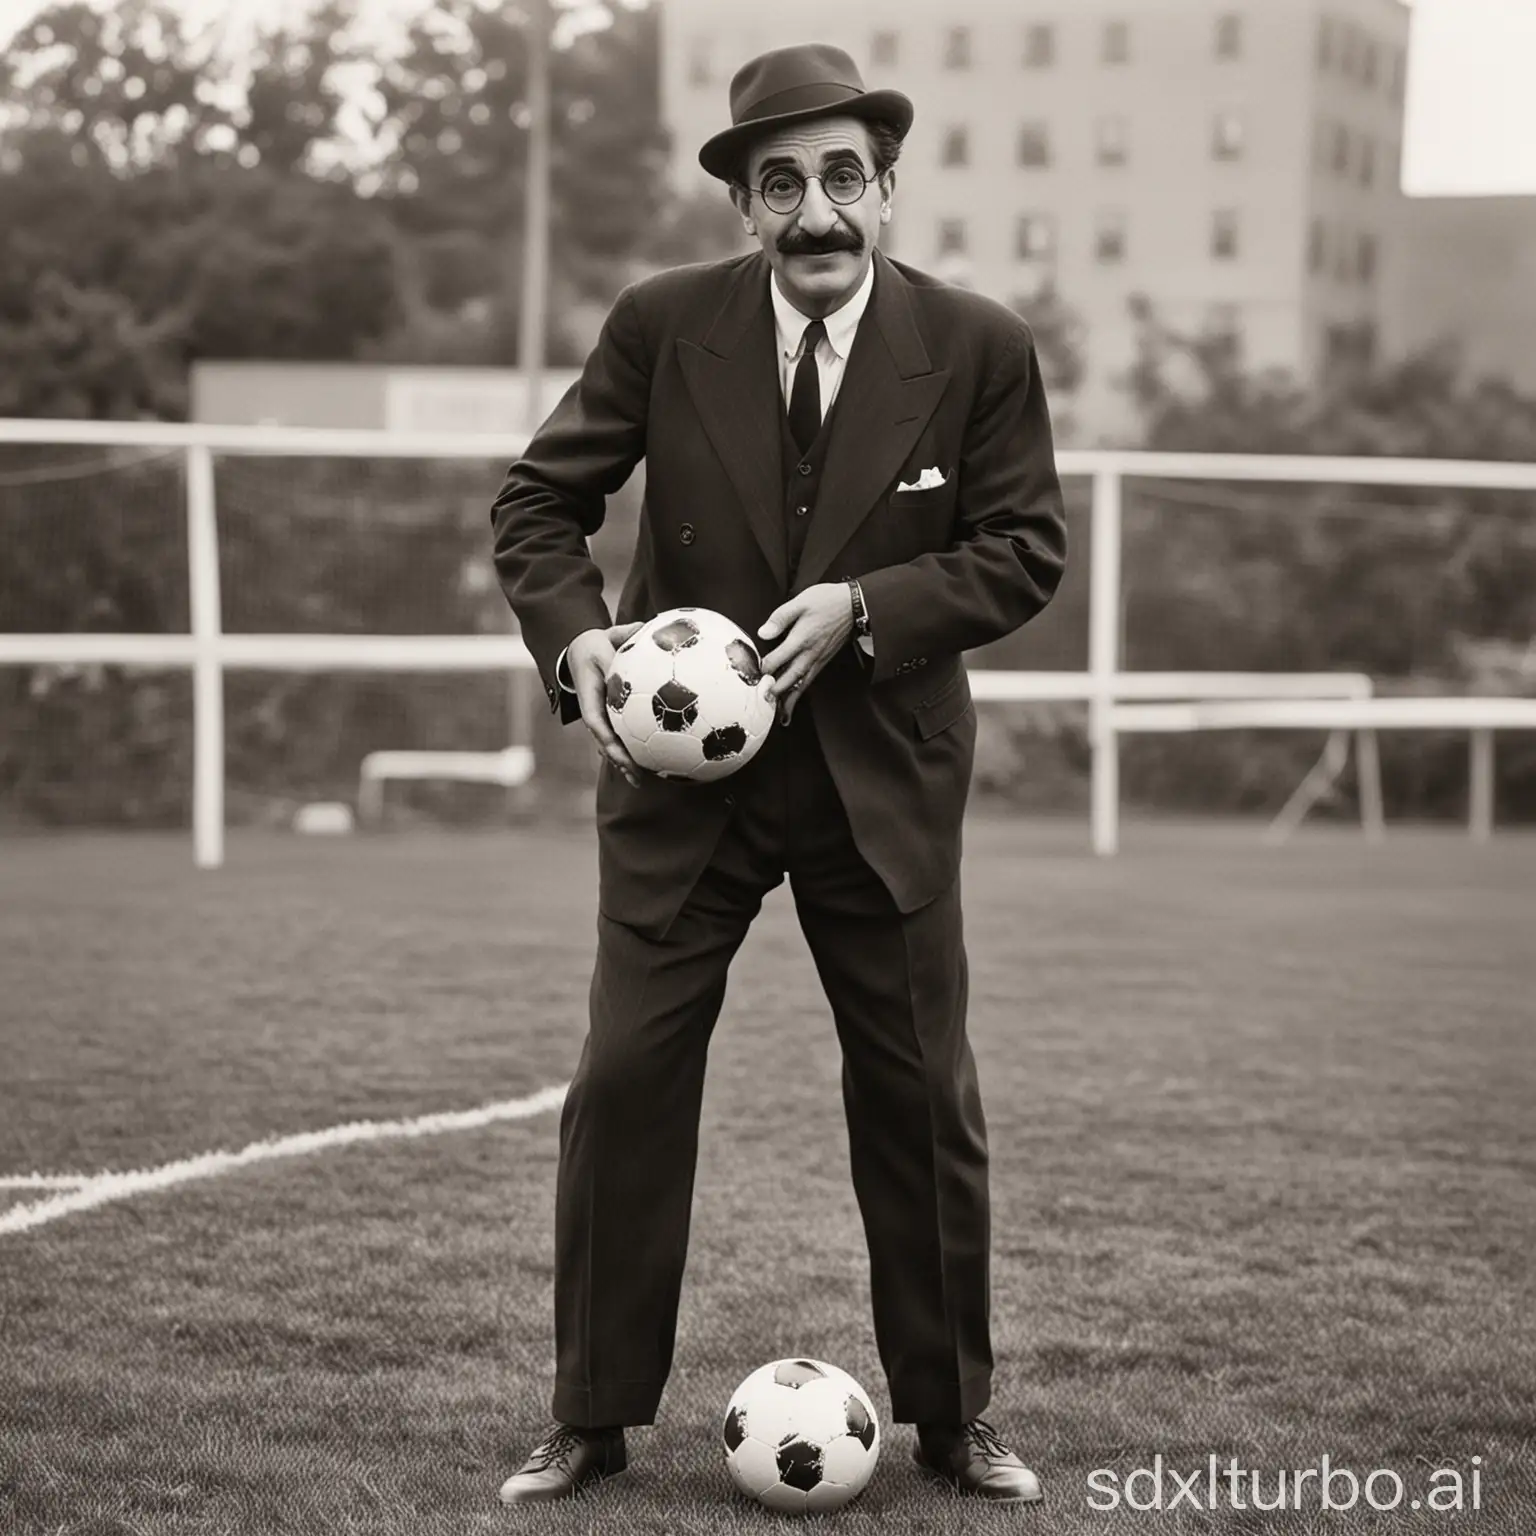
[[209, 648]]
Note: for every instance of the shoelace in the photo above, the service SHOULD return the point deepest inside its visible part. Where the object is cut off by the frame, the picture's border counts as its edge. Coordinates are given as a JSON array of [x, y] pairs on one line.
[[557, 1448], [986, 1440]]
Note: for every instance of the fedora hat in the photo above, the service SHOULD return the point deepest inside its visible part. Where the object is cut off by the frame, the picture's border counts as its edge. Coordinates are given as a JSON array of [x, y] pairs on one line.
[[789, 85]]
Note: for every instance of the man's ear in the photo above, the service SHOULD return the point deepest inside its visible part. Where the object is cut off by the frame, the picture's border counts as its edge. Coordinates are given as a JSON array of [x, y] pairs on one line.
[[887, 188], [741, 200]]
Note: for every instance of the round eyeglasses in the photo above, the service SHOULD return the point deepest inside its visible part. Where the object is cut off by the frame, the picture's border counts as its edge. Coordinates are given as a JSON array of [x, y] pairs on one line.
[[784, 191]]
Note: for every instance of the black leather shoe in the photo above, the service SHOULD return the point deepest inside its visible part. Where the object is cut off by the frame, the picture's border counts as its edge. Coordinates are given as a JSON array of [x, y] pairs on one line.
[[564, 1462], [973, 1459]]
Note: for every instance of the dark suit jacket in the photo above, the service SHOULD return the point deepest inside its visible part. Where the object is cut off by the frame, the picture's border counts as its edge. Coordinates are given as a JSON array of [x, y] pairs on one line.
[[684, 376]]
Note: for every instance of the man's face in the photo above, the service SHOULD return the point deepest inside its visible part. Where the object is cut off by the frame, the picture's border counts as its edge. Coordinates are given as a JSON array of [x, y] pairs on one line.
[[822, 249]]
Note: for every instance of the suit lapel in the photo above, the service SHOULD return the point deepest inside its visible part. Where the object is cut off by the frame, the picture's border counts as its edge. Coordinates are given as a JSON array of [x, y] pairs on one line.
[[733, 378], [889, 391]]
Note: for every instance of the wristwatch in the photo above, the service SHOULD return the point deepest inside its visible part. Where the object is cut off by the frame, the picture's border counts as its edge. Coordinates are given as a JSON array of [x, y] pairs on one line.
[[860, 612]]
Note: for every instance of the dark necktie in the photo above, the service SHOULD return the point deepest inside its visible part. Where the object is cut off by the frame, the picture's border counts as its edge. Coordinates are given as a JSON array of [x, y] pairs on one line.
[[805, 395]]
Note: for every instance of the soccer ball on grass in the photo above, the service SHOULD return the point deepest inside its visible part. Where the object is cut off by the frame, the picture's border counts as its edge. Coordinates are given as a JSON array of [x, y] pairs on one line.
[[685, 695], [801, 1437]]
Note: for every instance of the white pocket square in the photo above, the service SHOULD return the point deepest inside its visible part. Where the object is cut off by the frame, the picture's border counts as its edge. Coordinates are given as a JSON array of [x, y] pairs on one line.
[[925, 481]]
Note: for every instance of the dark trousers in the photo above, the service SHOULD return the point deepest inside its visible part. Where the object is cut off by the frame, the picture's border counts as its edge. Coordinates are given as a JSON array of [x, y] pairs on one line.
[[629, 1129]]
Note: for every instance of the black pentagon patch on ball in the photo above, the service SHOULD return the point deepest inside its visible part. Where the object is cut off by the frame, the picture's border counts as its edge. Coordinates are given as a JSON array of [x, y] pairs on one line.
[[675, 707], [734, 1430], [795, 1373], [744, 661], [677, 635], [728, 741], [800, 1465], [860, 1425], [617, 691]]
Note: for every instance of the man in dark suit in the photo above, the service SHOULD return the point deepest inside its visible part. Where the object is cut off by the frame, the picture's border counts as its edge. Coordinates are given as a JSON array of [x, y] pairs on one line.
[[853, 461]]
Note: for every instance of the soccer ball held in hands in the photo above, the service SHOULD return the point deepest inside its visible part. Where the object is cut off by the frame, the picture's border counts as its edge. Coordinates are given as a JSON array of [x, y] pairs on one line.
[[685, 695]]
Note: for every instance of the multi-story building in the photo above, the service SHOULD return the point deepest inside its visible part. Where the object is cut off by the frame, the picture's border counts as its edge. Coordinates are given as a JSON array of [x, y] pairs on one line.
[[1235, 162]]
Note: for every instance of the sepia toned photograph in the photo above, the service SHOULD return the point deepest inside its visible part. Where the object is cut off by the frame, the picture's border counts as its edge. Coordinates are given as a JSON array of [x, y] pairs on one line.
[[767, 767]]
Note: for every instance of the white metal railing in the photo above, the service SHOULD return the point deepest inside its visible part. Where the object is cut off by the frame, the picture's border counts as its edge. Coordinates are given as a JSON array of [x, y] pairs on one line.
[[209, 652]]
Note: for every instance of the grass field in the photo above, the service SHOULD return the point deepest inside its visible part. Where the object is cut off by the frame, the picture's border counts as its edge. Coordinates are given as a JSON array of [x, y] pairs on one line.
[[1264, 1175]]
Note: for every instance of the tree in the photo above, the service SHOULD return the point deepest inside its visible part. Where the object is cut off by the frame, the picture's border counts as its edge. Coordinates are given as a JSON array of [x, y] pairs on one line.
[[292, 95], [455, 126], [155, 217], [126, 86], [1059, 339], [204, 261], [215, 202], [133, 89], [85, 353]]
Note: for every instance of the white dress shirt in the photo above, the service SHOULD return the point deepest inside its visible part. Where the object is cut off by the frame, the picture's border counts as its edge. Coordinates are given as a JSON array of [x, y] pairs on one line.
[[832, 355]]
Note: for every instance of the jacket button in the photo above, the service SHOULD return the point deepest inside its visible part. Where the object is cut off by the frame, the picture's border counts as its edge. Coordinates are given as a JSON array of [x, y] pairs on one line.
[[801, 511], [685, 533], [804, 468]]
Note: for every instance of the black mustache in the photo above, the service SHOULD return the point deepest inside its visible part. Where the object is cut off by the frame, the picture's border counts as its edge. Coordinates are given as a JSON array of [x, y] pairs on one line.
[[823, 245]]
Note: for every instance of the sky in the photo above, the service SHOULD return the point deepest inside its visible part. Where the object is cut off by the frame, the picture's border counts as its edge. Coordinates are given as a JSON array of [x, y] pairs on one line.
[[1471, 98], [1471, 101]]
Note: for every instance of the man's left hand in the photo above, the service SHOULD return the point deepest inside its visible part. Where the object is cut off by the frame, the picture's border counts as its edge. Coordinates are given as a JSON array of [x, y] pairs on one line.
[[815, 625]]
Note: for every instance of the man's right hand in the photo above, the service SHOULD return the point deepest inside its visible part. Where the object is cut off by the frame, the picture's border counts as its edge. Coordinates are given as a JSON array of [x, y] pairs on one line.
[[588, 658]]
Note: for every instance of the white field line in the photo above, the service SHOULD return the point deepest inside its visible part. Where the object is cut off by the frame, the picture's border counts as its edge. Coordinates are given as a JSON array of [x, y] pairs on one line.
[[105, 1188], [44, 1180]]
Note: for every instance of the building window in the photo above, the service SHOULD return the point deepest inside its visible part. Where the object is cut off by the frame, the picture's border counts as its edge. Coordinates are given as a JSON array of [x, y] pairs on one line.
[[1399, 75], [882, 48], [957, 48], [1039, 45], [1317, 246], [1227, 136], [1229, 36], [1349, 51], [1368, 63], [1035, 144], [1109, 239], [1117, 42], [1366, 259], [951, 237], [1346, 343], [1341, 149], [698, 62], [1224, 234], [1325, 43], [1343, 267], [1367, 161], [1110, 141], [1036, 237], [956, 147]]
